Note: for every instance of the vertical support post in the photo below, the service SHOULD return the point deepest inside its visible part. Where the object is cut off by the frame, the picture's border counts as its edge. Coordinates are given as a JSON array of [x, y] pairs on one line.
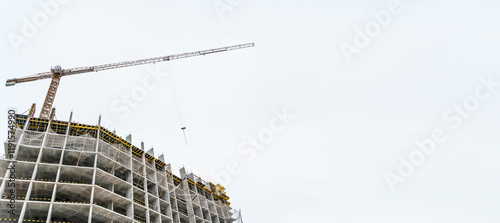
[[53, 198], [16, 152], [35, 170], [95, 170], [156, 187], [145, 182], [187, 193], [169, 214], [131, 180]]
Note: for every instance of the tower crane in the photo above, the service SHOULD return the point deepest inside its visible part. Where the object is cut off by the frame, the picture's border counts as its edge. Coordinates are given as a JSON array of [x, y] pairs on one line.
[[56, 72]]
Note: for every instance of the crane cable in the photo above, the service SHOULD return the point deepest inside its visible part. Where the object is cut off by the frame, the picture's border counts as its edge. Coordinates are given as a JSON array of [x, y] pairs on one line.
[[178, 105]]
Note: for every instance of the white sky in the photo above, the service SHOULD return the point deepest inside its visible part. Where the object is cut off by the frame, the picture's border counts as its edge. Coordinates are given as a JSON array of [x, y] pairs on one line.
[[352, 120]]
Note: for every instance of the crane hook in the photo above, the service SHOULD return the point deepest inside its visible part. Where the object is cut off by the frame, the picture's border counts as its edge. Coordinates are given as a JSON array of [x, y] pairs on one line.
[[185, 139]]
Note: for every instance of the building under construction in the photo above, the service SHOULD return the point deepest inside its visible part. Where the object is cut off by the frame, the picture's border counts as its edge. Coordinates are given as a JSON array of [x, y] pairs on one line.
[[65, 171]]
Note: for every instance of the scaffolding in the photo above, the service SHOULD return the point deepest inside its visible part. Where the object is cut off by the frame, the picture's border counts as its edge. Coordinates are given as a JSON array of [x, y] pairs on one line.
[[73, 172]]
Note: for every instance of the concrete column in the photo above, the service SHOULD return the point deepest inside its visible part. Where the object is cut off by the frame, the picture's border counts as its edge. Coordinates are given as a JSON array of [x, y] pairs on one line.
[[7, 173], [145, 183], [157, 203], [171, 179], [131, 180], [165, 184], [187, 196], [95, 170], [35, 170], [112, 202], [52, 200]]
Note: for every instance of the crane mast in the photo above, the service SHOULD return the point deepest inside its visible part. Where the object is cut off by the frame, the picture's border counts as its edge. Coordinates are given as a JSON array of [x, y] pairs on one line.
[[57, 72]]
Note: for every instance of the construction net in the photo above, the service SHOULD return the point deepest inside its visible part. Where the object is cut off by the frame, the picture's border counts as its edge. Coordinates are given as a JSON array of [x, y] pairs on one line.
[[203, 201], [32, 138], [81, 143], [55, 141], [137, 167], [235, 216], [150, 174], [150, 164], [18, 134], [182, 195], [115, 154]]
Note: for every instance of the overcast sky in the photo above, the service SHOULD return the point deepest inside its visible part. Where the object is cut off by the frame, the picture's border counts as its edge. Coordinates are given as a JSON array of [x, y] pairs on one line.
[[321, 121]]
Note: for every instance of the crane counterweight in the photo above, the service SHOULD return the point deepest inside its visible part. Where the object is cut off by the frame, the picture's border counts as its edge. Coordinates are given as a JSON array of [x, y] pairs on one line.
[[10, 82]]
